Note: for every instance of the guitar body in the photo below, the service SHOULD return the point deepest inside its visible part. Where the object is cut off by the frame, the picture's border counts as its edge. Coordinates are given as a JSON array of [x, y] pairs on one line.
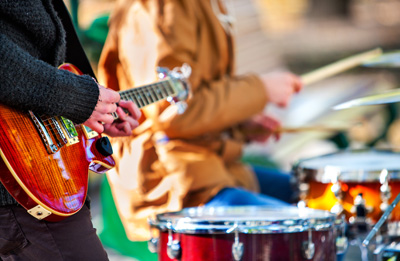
[[51, 186], [46, 160]]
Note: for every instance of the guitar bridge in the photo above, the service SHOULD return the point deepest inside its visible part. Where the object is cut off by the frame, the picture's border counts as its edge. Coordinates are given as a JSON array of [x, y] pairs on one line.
[[51, 133]]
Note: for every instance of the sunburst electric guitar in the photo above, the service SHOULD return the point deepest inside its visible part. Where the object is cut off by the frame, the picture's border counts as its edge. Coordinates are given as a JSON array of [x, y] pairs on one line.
[[46, 160]]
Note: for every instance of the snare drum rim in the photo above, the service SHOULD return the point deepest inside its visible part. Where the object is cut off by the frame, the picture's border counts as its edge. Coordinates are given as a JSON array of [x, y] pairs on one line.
[[194, 225], [356, 175]]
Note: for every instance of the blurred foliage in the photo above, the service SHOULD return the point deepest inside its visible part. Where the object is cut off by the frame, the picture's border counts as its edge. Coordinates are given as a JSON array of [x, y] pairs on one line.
[[94, 36]]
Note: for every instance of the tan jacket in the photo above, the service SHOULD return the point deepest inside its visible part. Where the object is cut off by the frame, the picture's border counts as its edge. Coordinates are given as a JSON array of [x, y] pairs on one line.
[[201, 155]]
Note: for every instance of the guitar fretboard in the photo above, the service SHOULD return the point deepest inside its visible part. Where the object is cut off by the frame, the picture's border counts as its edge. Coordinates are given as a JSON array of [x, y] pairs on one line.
[[148, 94]]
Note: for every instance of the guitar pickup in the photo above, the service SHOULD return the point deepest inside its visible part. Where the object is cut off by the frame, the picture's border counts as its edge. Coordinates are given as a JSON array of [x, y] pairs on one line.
[[69, 130], [89, 133]]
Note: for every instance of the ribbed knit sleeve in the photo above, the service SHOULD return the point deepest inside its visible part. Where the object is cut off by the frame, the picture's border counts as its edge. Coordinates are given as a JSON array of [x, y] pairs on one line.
[[27, 83]]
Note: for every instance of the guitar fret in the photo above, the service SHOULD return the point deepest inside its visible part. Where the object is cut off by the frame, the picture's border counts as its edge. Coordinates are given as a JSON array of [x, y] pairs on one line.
[[152, 94], [139, 99], [157, 92], [128, 97], [148, 94], [162, 90], [169, 89], [124, 96], [145, 100], [134, 99], [165, 89]]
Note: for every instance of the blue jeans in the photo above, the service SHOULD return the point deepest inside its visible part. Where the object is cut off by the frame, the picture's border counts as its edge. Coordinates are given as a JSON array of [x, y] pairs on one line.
[[275, 190], [274, 183], [242, 197]]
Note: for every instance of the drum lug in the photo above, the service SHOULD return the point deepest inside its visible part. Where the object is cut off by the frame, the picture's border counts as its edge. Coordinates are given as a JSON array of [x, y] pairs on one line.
[[308, 247], [308, 250], [386, 191], [337, 190], [173, 247], [237, 248], [338, 207], [152, 245]]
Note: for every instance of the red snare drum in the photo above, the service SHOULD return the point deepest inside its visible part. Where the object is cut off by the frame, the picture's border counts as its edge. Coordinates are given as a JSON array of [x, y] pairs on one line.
[[247, 233], [338, 182]]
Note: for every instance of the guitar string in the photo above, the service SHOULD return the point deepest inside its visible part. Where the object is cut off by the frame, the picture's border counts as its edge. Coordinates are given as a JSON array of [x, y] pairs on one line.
[[144, 96]]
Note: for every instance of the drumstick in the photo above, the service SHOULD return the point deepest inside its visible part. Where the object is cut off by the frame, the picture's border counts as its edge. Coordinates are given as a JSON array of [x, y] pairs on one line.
[[309, 128], [339, 66], [382, 220]]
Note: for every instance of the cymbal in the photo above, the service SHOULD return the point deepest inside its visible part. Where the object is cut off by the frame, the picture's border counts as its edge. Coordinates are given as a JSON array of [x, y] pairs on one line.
[[385, 60], [390, 96]]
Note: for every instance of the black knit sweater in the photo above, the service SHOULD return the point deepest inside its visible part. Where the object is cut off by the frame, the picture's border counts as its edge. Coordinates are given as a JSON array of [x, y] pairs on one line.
[[32, 45]]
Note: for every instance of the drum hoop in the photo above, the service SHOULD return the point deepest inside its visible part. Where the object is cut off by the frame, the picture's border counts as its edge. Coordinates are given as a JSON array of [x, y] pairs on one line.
[[194, 225], [323, 176], [350, 176]]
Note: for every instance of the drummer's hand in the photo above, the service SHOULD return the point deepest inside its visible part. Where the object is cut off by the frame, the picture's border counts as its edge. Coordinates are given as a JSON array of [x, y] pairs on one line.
[[101, 119], [261, 127], [280, 86]]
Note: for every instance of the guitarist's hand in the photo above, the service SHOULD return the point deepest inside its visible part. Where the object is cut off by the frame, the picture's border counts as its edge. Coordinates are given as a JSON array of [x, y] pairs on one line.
[[101, 117], [126, 122]]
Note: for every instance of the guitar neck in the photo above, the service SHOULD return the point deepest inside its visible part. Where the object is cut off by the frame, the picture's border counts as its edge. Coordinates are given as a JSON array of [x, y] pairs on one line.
[[148, 94]]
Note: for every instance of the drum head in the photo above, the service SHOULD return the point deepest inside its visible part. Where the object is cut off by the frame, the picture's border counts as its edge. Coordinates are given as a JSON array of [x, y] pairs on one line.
[[249, 219], [353, 166]]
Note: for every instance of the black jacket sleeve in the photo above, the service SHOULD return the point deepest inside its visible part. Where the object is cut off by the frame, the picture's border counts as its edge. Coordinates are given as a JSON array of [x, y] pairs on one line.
[[28, 83]]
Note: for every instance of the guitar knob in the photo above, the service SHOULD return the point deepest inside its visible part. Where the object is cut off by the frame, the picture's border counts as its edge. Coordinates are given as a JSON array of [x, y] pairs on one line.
[[103, 145]]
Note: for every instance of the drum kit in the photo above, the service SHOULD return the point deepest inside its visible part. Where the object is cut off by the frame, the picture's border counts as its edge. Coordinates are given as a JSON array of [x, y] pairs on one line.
[[344, 197], [361, 186]]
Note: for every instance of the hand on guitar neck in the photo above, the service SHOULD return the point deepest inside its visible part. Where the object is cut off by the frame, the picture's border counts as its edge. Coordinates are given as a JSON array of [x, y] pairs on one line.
[[102, 119]]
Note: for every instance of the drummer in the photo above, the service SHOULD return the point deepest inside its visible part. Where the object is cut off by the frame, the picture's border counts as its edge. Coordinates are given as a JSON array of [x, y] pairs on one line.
[[177, 160]]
